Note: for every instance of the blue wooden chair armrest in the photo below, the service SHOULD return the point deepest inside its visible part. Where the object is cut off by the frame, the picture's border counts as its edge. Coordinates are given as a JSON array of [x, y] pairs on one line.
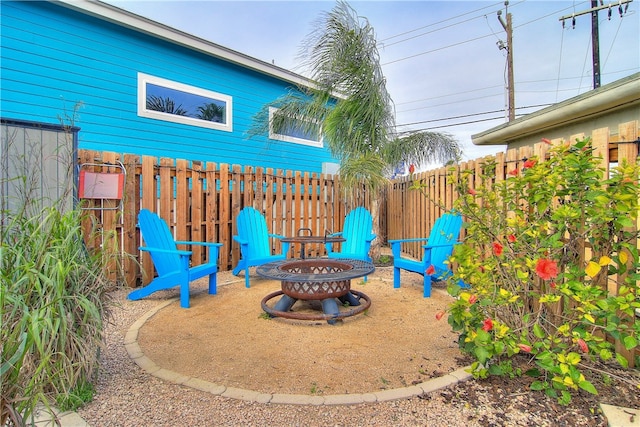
[[165, 251], [396, 244], [214, 249], [419, 239], [275, 236], [443, 245], [240, 240], [179, 242]]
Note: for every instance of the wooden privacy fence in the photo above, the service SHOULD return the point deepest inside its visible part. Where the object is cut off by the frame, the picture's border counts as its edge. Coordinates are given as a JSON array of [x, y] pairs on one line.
[[412, 214], [200, 201]]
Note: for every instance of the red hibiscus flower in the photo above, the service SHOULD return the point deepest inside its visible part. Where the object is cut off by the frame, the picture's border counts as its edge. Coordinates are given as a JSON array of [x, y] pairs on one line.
[[513, 172], [487, 325], [497, 248], [546, 269], [412, 168], [473, 299], [529, 163], [524, 347], [583, 346], [511, 238], [439, 314], [472, 191], [430, 270]]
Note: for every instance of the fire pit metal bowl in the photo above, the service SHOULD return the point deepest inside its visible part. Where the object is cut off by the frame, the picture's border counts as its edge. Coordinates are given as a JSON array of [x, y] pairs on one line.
[[316, 279]]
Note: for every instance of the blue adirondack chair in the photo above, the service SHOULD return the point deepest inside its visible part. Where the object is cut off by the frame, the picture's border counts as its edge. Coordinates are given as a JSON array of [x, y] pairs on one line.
[[358, 234], [255, 242], [172, 264], [443, 237]]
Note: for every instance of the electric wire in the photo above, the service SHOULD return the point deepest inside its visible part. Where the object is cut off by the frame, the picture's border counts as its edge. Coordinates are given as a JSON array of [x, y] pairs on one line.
[[471, 115], [559, 64], [449, 95], [584, 63], [613, 42], [431, 25], [452, 125]]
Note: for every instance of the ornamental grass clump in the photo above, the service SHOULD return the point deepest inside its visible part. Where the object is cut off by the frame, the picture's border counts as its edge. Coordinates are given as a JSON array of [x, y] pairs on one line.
[[551, 260], [52, 302]]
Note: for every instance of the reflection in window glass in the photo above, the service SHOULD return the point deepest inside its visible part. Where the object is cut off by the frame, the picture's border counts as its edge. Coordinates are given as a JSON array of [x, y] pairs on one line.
[[167, 100], [296, 133]]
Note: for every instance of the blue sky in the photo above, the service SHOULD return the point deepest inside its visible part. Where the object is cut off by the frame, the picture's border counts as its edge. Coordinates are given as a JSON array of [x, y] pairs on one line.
[[441, 59]]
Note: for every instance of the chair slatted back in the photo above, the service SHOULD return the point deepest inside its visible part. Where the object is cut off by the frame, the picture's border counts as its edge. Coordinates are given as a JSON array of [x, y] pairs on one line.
[[252, 227], [358, 226], [445, 230], [156, 234]]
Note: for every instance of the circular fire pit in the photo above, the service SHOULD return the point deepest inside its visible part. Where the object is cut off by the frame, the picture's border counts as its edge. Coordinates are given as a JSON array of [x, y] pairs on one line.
[[316, 279]]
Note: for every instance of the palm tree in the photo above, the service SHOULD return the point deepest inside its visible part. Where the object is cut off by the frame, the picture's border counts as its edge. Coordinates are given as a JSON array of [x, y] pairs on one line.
[[165, 105], [353, 106], [211, 112]]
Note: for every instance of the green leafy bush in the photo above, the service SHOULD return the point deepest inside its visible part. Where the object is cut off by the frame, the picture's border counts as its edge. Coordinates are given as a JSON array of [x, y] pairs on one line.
[[533, 288], [52, 301]]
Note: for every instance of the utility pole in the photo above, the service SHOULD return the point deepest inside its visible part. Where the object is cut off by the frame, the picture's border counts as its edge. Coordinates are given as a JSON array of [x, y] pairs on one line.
[[595, 42], [509, 47]]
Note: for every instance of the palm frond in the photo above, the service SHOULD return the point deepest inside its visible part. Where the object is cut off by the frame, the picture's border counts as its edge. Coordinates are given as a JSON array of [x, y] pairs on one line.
[[422, 148], [368, 167]]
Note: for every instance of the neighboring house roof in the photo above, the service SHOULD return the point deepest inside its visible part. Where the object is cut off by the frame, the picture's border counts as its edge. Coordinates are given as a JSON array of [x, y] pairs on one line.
[[620, 94], [131, 20]]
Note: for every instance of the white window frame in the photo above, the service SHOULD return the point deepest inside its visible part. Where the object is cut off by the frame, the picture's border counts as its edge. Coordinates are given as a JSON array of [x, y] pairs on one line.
[[287, 138], [143, 79]]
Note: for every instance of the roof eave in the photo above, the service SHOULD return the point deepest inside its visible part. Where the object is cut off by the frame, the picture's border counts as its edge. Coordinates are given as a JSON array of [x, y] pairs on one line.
[[613, 96], [139, 23]]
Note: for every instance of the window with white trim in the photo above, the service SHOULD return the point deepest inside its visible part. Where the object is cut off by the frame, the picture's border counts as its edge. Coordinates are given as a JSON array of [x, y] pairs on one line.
[[171, 101], [296, 134]]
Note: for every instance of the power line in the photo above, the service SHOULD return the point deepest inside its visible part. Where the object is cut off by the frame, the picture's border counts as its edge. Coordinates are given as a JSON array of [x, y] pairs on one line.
[[452, 102], [520, 83], [448, 95], [433, 24], [470, 115], [432, 31], [438, 49], [453, 124]]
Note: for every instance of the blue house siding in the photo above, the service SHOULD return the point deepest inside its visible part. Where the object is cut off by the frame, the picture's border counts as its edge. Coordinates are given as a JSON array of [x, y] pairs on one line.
[[54, 57]]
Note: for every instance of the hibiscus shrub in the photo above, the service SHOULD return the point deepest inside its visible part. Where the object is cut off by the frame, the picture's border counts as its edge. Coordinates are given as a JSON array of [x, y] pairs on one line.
[[532, 287]]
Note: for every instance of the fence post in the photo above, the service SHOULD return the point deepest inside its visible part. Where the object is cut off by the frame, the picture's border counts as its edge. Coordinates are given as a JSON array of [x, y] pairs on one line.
[[628, 153], [129, 233]]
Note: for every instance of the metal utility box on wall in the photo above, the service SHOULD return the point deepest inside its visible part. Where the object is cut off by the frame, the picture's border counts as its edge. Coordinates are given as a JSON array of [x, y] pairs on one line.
[[37, 164]]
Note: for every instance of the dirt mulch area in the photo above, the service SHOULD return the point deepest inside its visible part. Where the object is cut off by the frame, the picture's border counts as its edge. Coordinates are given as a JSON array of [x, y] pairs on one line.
[[227, 339]]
